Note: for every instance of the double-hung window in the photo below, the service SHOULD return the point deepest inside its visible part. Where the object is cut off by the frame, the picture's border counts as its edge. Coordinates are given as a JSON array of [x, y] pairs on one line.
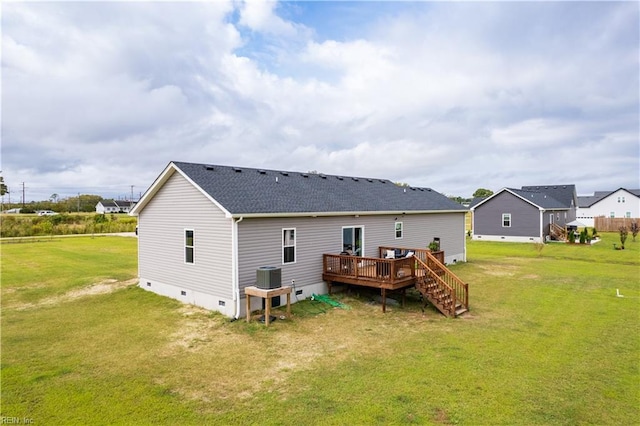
[[398, 230], [289, 245], [506, 220], [189, 254]]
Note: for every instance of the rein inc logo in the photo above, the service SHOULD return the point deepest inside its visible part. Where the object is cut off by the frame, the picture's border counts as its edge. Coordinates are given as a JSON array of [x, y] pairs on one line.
[[11, 420]]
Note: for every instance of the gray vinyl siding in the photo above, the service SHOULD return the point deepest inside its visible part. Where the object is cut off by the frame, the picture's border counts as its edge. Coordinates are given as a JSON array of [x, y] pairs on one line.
[[260, 241], [559, 218], [525, 218], [177, 206]]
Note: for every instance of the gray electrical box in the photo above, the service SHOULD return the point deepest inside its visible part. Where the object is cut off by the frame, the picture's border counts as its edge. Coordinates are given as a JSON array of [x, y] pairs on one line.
[[268, 277]]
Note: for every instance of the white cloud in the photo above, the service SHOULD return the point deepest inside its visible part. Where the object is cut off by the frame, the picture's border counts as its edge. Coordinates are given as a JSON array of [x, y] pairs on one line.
[[259, 16], [450, 96]]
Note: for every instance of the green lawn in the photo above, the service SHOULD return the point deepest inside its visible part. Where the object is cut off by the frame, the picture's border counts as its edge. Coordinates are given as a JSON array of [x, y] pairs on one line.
[[546, 342]]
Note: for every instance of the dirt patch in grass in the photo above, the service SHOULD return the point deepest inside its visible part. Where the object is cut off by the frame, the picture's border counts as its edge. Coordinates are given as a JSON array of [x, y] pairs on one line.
[[102, 287], [266, 358], [498, 270]]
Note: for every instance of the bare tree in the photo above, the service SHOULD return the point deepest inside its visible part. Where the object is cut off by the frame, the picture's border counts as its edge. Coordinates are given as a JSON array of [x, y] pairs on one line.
[[634, 229]]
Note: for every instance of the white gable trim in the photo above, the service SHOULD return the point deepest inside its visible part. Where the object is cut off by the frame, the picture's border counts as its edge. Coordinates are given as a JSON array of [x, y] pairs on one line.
[[159, 183], [510, 192]]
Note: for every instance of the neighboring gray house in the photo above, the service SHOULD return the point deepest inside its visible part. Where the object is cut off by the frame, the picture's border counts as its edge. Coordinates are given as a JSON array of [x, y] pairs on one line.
[[233, 221], [114, 206], [524, 215]]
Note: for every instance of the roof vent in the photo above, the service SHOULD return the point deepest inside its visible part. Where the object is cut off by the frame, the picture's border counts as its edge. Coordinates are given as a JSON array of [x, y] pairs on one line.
[[208, 167], [304, 175], [340, 177], [369, 180], [355, 179], [323, 177], [284, 173], [237, 170], [382, 181], [262, 172]]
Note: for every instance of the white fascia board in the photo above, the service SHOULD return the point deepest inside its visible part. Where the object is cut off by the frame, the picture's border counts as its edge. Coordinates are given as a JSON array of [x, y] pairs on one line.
[[487, 199], [524, 199], [159, 183], [153, 189], [332, 214], [226, 212]]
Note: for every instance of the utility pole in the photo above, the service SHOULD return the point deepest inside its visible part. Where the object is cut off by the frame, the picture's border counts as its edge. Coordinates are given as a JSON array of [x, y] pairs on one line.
[[131, 199], [23, 199], [78, 202]]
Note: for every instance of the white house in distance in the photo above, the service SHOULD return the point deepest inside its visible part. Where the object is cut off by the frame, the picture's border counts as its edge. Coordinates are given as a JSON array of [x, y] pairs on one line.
[[614, 204], [234, 221], [114, 206]]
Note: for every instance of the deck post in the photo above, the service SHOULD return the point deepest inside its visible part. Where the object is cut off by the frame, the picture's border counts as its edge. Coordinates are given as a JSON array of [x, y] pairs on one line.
[[384, 300]]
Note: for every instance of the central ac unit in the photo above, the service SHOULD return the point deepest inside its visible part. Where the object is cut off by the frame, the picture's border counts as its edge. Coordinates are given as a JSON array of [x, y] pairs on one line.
[[268, 277]]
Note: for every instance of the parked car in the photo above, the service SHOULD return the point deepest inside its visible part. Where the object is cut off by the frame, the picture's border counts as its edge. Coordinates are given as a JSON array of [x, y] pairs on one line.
[[47, 213]]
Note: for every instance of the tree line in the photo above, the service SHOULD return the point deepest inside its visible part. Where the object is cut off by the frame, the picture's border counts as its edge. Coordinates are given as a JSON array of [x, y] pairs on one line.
[[80, 203]]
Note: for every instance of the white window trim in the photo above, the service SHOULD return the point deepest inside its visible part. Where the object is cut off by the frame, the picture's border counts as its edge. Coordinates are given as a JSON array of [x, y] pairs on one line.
[[363, 236], [193, 247], [506, 215], [295, 243], [395, 230]]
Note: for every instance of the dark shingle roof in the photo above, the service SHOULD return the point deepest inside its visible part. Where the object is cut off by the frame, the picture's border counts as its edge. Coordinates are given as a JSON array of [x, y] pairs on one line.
[[565, 194], [256, 191], [541, 199]]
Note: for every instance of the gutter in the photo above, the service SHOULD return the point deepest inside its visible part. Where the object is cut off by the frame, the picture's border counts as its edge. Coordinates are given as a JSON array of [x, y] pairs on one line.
[[333, 214], [234, 266]]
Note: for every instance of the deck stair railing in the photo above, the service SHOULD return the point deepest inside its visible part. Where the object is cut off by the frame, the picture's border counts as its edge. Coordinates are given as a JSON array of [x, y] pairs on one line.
[[557, 232], [438, 285]]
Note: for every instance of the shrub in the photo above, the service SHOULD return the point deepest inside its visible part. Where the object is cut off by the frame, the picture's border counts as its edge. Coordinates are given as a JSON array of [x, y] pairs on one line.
[[623, 235]]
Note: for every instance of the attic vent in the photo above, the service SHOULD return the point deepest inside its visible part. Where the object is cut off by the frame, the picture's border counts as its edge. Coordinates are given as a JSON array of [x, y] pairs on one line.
[[413, 189], [340, 177], [369, 180], [237, 170], [355, 179], [284, 173], [208, 167], [429, 189], [304, 175], [323, 177], [382, 181], [262, 172]]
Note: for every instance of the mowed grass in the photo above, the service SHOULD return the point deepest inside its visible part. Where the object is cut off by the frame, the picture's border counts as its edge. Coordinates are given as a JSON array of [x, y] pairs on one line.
[[546, 342]]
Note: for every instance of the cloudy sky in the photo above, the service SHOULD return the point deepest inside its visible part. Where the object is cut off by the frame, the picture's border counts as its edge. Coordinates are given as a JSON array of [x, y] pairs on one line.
[[99, 96]]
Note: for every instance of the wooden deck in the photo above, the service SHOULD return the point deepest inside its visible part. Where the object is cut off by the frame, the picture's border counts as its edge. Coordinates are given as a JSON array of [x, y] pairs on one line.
[[412, 267]]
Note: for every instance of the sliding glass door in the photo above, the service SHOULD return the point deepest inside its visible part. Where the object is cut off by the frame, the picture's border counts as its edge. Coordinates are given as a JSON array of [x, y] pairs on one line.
[[353, 240]]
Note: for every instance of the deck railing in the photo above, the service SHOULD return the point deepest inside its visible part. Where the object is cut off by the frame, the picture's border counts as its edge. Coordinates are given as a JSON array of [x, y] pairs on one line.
[[419, 253], [558, 232], [459, 287], [384, 270]]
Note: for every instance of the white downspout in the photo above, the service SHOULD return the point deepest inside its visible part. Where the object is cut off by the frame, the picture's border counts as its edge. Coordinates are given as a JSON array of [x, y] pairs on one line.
[[234, 265]]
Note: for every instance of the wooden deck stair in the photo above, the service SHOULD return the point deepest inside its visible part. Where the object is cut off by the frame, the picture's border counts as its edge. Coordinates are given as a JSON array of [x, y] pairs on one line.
[[441, 287], [557, 232]]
